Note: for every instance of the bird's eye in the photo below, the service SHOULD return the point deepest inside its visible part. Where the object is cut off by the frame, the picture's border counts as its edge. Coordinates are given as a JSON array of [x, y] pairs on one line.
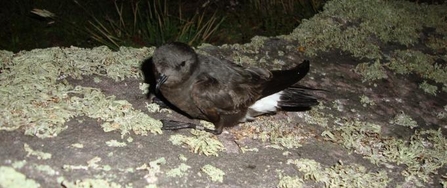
[[182, 63]]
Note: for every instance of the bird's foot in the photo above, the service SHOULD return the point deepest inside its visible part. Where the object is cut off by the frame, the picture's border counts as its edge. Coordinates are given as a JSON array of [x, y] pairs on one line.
[[159, 102], [176, 125]]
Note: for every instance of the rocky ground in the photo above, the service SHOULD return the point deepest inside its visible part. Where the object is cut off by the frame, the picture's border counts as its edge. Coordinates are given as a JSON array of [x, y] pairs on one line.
[[73, 117]]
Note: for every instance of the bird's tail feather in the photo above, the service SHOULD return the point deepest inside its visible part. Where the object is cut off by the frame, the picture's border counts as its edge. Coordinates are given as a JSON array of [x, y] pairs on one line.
[[282, 79], [296, 98]]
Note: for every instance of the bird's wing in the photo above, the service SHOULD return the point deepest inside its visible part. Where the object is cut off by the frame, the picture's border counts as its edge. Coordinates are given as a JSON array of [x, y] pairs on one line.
[[227, 96], [207, 93]]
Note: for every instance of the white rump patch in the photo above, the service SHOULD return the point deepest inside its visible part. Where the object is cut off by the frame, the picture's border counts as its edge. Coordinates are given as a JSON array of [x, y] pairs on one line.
[[267, 104]]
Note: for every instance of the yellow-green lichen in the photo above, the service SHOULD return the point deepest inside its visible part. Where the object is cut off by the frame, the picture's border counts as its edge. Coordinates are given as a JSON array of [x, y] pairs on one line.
[[243, 59], [403, 119], [245, 149], [279, 133], [341, 175], [423, 154], [180, 171], [118, 114], [90, 183], [91, 164], [214, 173], [286, 138], [12, 179], [281, 53], [106, 168], [338, 104], [417, 62], [96, 79], [38, 154], [36, 96], [356, 135], [153, 107], [290, 182], [427, 88], [317, 117], [365, 101], [360, 26], [201, 142], [155, 164], [18, 164], [46, 169], [436, 43], [144, 87], [74, 167], [182, 157], [371, 72], [278, 62], [115, 143], [253, 47], [250, 53], [77, 145], [152, 169]]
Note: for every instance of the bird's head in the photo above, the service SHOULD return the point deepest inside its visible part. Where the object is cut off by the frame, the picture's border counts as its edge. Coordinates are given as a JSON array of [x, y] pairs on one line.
[[173, 63]]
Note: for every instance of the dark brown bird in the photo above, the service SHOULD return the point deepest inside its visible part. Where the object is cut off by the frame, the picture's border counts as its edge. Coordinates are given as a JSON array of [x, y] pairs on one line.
[[222, 92]]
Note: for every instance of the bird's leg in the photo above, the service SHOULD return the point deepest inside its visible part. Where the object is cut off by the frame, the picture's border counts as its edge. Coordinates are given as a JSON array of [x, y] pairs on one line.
[[176, 125], [218, 128], [159, 102]]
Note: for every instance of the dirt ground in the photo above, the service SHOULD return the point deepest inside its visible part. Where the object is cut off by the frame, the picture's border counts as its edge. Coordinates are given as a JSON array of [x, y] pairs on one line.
[[387, 132]]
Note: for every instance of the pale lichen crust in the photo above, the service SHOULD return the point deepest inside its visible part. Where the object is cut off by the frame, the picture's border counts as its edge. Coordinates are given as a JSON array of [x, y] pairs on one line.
[[214, 173], [11, 178], [366, 28], [340, 175], [200, 142], [35, 95]]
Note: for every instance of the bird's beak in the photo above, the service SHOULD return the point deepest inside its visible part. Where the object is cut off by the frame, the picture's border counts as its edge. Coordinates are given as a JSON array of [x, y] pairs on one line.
[[162, 79]]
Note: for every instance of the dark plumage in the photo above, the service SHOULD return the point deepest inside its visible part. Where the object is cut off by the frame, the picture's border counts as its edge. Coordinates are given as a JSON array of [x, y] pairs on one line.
[[222, 92]]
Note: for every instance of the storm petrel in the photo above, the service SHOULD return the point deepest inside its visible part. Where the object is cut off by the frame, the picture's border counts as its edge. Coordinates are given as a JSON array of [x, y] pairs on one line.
[[221, 92]]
